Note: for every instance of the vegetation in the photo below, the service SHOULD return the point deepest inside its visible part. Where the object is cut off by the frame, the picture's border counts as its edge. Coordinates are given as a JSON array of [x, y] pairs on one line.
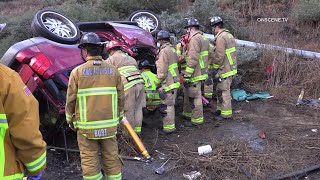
[[308, 10]]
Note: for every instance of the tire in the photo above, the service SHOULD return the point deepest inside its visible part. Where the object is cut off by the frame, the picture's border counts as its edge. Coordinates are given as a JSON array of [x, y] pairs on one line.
[[146, 20], [55, 26]]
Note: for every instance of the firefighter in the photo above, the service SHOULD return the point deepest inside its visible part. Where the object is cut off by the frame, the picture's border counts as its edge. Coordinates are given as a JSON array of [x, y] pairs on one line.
[[135, 98], [169, 81], [94, 105], [225, 62], [22, 150], [195, 73], [150, 79]]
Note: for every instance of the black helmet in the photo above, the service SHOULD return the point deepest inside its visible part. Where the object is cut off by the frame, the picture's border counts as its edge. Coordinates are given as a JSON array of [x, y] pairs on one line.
[[145, 63], [215, 20], [163, 35], [192, 22], [89, 38]]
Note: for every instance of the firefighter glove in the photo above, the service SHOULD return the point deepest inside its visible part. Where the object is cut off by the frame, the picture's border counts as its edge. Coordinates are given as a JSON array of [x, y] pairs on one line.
[[162, 94], [212, 73], [158, 86], [208, 82]]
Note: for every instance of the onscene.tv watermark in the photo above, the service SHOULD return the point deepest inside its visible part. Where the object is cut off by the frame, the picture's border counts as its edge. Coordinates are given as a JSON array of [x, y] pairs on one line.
[[280, 20]]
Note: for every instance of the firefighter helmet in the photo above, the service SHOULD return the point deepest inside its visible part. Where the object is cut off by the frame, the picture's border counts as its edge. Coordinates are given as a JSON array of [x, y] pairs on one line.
[[89, 38], [215, 20], [163, 35], [145, 64], [192, 22]]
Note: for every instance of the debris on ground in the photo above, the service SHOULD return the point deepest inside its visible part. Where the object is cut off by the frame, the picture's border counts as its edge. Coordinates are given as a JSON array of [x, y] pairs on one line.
[[238, 151], [160, 170], [315, 103], [203, 150], [193, 175], [242, 95], [262, 135], [314, 130]]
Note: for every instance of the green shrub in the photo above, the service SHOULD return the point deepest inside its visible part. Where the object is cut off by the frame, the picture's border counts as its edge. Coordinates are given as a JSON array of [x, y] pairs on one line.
[[203, 10], [87, 11], [245, 55], [307, 11], [17, 29]]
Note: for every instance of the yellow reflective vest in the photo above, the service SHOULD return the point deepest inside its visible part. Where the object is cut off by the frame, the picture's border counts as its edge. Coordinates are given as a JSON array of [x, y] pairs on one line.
[[152, 95]]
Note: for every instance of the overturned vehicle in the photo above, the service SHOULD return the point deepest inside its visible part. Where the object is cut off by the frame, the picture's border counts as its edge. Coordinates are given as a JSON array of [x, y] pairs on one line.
[[45, 61]]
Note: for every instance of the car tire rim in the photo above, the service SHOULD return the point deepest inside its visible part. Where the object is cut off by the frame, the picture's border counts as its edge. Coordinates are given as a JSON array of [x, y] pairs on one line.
[[58, 25], [146, 21]]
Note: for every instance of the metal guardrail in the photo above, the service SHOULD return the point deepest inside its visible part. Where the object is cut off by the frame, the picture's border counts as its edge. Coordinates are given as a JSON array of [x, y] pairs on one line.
[[250, 44]]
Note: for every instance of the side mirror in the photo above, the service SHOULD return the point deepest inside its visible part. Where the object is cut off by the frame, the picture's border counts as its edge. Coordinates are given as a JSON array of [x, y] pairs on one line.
[[2, 26]]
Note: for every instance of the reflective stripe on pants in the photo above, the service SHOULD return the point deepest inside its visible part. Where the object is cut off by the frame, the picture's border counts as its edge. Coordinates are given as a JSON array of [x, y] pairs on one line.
[[225, 106], [90, 158], [196, 109]]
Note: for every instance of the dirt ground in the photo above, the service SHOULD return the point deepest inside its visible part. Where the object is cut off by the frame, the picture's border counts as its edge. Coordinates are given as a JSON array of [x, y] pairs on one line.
[[291, 143]]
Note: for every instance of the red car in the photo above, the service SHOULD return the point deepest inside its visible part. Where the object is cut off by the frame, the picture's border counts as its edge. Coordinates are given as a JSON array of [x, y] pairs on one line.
[[45, 62]]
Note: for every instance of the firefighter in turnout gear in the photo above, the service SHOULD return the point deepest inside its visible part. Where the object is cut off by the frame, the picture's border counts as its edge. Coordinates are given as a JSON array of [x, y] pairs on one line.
[[150, 79], [195, 73], [169, 81], [95, 100], [135, 98], [225, 62], [22, 150]]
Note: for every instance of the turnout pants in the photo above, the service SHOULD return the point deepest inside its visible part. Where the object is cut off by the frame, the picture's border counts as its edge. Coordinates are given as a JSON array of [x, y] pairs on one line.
[[208, 91], [192, 103], [168, 112], [208, 86], [224, 97], [135, 100], [90, 160]]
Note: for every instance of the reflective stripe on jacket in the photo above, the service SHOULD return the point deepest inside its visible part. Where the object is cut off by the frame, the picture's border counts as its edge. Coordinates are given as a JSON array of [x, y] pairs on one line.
[[225, 54], [21, 146], [167, 68], [128, 68], [152, 94], [95, 98], [197, 58]]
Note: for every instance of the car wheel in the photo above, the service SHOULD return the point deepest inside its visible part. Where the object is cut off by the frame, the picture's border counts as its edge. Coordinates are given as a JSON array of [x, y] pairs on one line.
[[55, 26], [146, 20]]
